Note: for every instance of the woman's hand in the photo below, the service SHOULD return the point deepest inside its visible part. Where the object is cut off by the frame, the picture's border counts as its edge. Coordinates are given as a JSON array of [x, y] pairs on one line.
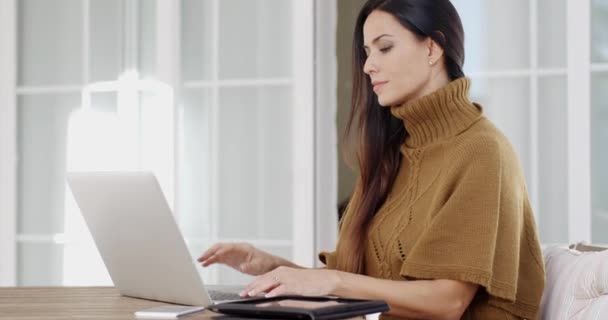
[[240, 256], [285, 280]]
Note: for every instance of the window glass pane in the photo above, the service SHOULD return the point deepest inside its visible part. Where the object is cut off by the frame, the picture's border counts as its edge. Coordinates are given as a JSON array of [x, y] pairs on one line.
[[147, 37], [104, 102], [39, 264], [42, 123], [599, 157], [599, 35], [488, 26], [197, 40], [255, 38], [49, 39], [255, 174], [507, 103], [156, 137], [552, 208], [275, 157], [106, 19], [82, 263], [194, 161], [552, 33]]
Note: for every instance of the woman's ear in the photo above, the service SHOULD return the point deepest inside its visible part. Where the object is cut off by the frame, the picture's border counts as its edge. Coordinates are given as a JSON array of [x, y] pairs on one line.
[[435, 51]]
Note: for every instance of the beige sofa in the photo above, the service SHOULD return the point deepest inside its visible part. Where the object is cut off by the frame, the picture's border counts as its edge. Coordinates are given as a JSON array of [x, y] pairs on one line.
[[577, 283]]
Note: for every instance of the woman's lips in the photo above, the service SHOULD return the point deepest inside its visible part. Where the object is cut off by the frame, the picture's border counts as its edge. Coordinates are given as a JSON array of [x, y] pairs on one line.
[[378, 85]]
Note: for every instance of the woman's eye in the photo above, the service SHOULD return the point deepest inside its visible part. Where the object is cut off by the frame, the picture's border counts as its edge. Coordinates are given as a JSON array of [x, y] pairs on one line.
[[386, 49]]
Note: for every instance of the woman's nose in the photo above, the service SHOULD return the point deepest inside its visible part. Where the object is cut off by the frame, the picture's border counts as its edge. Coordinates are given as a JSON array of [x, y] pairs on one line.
[[369, 67]]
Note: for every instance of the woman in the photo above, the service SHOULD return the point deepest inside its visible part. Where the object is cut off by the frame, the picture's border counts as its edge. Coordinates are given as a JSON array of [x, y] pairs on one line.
[[439, 225]]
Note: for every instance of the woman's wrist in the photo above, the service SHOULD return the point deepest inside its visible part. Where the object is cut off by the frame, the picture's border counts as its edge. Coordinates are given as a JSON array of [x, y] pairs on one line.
[[277, 261], [338, 279]]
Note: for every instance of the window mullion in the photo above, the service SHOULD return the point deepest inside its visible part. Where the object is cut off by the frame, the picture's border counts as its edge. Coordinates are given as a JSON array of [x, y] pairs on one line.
[[8, 143], [533, 148], [303, 139], [86, 41], [579, 135], [214, 155], [326, 135], [168, 44]]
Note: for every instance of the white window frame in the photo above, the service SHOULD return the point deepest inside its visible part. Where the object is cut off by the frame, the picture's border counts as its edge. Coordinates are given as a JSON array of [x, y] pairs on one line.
[[326, 134], [579, 126], [8, 143], [303, 134], [168, 70]]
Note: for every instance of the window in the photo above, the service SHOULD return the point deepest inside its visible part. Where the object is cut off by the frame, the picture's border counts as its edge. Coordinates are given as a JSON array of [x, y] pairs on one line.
[[520, 56], [223, 115]]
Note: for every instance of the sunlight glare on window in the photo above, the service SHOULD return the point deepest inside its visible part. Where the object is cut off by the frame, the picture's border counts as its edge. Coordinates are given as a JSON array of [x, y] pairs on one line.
[[139, 136]]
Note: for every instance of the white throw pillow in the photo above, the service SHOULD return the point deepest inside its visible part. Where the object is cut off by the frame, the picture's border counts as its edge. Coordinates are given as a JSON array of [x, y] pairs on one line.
[[576, 285]]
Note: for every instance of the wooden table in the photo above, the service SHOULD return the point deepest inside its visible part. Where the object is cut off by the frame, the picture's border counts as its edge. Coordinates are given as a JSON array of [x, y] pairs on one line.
[[104, 303]]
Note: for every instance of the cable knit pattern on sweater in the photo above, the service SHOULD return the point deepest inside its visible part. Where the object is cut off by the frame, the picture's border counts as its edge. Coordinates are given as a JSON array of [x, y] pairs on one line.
[[458, 209]]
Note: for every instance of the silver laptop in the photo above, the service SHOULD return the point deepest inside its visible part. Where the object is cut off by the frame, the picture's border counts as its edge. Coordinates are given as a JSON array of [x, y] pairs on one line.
[[139, 240]]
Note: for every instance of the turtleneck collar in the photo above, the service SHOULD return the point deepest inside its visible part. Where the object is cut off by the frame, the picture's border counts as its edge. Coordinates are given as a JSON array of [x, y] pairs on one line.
[[441, 114]]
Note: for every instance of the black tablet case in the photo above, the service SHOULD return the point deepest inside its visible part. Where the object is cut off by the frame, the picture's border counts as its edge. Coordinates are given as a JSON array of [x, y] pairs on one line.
[[348, 308]]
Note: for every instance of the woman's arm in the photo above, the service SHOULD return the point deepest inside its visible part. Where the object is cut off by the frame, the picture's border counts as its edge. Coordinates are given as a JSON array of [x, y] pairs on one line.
[[422, 299], [425, 299]]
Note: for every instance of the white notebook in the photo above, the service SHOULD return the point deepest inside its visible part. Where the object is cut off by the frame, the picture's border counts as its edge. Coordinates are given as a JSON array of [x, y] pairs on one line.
[[166, 312]]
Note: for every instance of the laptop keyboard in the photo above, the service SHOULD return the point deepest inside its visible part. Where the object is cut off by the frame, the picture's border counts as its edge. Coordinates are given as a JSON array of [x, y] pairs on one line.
[[224, 295]]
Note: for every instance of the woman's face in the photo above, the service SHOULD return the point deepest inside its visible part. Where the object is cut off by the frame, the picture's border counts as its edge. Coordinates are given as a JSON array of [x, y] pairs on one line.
[[398, 63]]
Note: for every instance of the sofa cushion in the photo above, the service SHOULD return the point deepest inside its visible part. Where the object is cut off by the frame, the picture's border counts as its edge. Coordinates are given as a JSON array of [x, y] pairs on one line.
[[576, 286]]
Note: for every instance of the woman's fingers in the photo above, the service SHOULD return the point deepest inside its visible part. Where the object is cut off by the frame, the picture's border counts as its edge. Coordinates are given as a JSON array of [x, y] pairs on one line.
[[218, 256], [211, 260], [234, 255], [277, 291], [210, 252], [262, 284]]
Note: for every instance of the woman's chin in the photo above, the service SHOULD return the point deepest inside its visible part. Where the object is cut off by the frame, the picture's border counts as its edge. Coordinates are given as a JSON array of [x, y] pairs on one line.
[[384, 102]]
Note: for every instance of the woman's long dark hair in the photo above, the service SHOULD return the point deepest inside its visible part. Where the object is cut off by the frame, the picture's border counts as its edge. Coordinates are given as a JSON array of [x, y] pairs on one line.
[[381, 134]]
